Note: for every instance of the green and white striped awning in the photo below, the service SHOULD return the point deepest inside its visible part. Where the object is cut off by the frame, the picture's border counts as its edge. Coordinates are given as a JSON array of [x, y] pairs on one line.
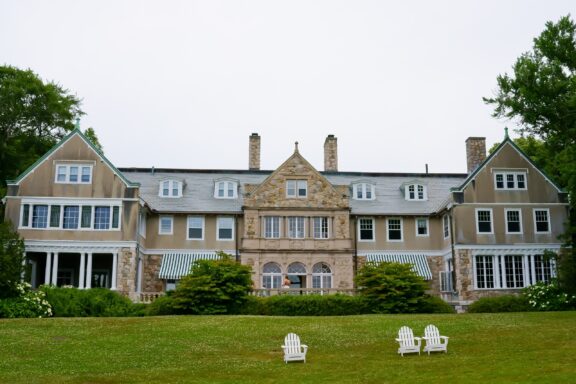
[[175, 265], [418, 261]]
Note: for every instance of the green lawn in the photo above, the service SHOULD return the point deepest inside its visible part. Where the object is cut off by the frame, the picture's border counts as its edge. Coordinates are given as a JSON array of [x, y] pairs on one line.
[[483, 348]]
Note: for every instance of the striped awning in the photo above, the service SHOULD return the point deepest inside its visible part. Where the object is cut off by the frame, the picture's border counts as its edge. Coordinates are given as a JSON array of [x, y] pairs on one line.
[[418, 261], [176, 265]]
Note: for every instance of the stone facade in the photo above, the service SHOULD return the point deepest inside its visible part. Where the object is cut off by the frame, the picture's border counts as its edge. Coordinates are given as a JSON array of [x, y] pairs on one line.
[[254, 152], [126, 279], [331, 154], [150, 268]]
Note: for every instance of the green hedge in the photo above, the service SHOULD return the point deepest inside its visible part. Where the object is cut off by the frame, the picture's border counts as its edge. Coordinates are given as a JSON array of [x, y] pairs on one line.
[[307, 305], [505, 303], [95, 302]]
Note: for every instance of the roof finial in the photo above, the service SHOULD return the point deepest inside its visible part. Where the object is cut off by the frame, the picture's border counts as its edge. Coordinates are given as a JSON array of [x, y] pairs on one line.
[[296, 146], [505, 132], [77, 126]]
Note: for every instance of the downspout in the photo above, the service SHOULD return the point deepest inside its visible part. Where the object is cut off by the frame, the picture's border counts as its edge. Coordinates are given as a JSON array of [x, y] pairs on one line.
[[236, 238], [355, 256], [452, 242]]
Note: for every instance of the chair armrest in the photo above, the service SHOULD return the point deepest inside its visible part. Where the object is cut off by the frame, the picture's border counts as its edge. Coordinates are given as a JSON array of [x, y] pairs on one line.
[[398, 340], [304, 347], [444, 337]]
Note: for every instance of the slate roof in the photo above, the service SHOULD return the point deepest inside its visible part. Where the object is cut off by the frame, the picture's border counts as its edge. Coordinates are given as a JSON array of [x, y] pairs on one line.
[[198, 191]]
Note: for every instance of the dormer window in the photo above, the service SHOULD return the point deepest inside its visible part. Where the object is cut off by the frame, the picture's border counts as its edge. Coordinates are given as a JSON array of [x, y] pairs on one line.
[[509, 180], [363, 191], [296, 188], [73, 174], [417, 192], [226, 189], [170, 188]]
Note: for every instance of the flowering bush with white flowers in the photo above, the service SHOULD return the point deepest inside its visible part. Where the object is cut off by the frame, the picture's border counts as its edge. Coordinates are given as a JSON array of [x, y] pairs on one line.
[[28, 303], [549, 297]]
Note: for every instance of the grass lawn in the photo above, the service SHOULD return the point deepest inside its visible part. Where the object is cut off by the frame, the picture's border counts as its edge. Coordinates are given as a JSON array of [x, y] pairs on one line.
[[483, 348]]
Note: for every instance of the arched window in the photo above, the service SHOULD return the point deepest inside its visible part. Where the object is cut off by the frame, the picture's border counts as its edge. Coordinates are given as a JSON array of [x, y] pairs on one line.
[[226, 189], [415, 192], [170, 188], [297, 275], [271, 276], [363, 191], [321, 276]]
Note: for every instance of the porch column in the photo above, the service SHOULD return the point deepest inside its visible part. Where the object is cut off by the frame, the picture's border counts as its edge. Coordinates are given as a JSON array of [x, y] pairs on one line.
[[55, 269], [82, 271], [114, 268], [23, 274], [89, 272], [47, 270]]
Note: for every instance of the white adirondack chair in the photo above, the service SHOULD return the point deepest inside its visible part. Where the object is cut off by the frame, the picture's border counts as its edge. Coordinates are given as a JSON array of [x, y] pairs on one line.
[[293, 350], [408, 343], [434, 342]]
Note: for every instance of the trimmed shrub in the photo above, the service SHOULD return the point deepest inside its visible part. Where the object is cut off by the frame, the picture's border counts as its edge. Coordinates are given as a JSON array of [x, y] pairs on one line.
[[306, 305], [434, 304], [391, 287], [95, 302], [162, 306], [28, 304], [505, 303]]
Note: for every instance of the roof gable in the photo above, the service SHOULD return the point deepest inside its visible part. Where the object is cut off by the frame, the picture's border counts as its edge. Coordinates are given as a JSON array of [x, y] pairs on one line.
[[75, 133]]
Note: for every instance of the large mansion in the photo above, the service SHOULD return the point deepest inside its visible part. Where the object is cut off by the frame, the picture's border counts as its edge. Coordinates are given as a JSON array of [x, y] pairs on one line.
[[88, 224]]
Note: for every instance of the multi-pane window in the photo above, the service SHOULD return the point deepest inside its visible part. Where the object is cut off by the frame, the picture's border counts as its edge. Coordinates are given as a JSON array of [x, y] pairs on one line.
[[510, 180], [271, 276], [514, 271], [484, 220], [195, 227], [225, 190], [70, 216], [513, 221], [165, 225], [415, 192], [363, 191], [446, 226], [394, 229], [296, 188], [73, 174], [366, 229], [296, 227], [320, 227], [225, 228], [321, 276], [511, 271], [422, 226], [542, 268], [542, 220], [272, 227], [170, 188], [485, 271]]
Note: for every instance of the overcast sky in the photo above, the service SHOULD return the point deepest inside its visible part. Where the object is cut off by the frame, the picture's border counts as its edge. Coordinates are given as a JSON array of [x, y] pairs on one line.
[[182, 84]]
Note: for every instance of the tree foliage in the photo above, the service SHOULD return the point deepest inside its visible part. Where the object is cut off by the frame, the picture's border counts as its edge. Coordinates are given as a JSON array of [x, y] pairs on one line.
[[391, 287], [540, 96], [213, 287], [11, 260]]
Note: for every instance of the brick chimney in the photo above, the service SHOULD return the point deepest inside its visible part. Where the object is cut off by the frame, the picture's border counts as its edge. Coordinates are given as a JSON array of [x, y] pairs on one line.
[[254, 152], [331, 154], [475, 152]]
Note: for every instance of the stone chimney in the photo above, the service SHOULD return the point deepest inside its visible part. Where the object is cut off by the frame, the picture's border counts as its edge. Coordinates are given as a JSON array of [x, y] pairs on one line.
[[475, 152], [254, 152], [331, 154]]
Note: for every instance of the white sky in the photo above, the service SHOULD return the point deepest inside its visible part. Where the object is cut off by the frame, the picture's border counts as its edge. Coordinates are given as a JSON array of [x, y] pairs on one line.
[[182, 84]]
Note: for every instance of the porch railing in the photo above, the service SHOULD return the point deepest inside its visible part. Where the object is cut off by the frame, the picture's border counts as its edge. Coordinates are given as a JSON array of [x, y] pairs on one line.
[[263, 292]]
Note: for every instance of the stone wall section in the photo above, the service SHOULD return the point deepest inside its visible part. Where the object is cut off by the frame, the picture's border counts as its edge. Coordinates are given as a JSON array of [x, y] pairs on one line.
[[475, 152], [126, 279], [150, 270]]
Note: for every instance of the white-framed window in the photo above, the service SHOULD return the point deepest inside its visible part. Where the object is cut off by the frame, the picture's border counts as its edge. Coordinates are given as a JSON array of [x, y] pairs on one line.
[[422, 227], [296, 188], [70, 216], [165, 225], [513, 221], [320, 229], [142, 224], [542, 220], [225, 228], [321, 276], [171, 284], [272, 227], [195, 228], [296, 228], [415, 192], [366, 229], [446, 226], [73, 174], [394, 229], [484, 224], [170, 188], [509, 180], [271, 276], [363, 191], [506, 271], [226, 189]]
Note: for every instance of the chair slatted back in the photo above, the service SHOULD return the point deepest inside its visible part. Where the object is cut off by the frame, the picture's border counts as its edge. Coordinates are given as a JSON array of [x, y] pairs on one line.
[[292, 343], [432, 334], [406, 336]]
